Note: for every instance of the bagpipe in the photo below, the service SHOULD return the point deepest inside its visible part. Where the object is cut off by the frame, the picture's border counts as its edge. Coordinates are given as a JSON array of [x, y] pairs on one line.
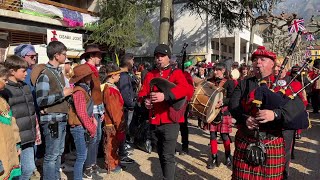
[[177, 107]]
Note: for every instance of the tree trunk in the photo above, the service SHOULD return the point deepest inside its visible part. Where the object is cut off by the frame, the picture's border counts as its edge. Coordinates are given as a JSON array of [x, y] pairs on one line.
[[165, 21], [251, 38]]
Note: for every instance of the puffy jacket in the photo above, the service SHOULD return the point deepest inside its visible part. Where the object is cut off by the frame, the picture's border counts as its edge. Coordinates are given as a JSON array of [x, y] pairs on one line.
[[20, 99]]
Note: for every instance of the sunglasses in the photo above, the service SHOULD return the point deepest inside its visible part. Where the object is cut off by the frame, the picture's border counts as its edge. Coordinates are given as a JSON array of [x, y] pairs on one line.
[[32, 56]]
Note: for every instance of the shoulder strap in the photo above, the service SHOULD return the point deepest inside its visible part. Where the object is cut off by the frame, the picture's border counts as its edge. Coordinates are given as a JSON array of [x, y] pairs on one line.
[[222, 82], [78, 88], [35, 73]]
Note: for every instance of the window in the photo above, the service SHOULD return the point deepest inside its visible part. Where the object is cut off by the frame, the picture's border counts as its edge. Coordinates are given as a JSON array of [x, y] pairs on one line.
[[213, 45], [230, 49], [217, 46]]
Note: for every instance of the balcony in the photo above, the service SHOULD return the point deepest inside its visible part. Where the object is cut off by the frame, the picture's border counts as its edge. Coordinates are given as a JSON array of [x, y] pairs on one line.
[[40, 10]]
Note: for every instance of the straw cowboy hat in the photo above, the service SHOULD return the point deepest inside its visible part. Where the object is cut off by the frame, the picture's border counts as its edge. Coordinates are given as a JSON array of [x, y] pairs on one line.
[[80, 72], [90, 50]]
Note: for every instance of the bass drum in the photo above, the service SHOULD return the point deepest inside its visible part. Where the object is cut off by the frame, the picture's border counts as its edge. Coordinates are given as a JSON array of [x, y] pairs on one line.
[[204, 101]]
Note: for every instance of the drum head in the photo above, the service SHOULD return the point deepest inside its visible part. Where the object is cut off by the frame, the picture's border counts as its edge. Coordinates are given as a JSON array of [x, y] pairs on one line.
[[235, 74], [212, 111]]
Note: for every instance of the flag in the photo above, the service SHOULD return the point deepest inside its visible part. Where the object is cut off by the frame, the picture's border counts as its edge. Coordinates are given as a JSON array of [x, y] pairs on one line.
[[310, 37], [310, 47], [296, 26], [307, 54]]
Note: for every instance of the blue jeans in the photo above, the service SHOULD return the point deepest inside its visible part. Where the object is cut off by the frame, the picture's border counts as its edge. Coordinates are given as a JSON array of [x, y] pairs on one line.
[[53, 151], [94, 144], [27, 161], [81, 149]]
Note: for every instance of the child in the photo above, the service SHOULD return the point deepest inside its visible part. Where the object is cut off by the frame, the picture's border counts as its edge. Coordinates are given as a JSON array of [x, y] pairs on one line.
[[19, 96], [83, 125], [114, 129], [9, 136]]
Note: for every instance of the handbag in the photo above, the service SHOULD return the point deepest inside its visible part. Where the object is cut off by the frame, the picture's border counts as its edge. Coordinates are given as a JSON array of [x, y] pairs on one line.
[[256, 152]]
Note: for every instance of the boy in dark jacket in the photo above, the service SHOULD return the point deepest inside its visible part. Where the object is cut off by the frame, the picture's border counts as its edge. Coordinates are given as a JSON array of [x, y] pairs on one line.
[[20, 99]]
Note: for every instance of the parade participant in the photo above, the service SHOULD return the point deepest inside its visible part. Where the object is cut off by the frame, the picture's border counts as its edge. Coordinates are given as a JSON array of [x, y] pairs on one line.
[[83, 125], [51, 96], [166, 130], [126, 86], [288, 134], [114, 128], [9, 136], [244, 72], [268, 122], [225, 125], [19, 96], [93, 57], [184, 130], [315, 91]]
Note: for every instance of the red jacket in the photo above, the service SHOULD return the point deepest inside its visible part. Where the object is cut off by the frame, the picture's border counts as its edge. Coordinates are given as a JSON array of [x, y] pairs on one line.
[[190, 82], [161, 109]]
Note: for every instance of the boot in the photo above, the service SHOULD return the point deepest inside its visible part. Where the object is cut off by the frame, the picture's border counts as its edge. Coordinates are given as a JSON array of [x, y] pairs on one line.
[[228, 160], [213, 162]]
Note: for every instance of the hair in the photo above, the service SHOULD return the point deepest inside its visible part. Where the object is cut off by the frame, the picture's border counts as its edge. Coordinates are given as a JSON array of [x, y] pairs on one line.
[[15, 62], [220, 66], [316, 63], [3, 70], [110, 68], [55, 47], [244, 66], [102, 74], [125, 58]]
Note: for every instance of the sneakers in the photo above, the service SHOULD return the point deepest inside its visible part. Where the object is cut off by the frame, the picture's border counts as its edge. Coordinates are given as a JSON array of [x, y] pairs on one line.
[[89, 174], [117, 170], [96, 169], [126, 160]]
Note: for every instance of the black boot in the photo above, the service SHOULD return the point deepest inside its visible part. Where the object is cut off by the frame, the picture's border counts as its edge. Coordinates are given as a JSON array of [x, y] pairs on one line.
[[228, 159], [213, 162]]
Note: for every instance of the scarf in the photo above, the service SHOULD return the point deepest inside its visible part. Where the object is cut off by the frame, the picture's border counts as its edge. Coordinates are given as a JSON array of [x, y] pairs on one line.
[[94, 69]]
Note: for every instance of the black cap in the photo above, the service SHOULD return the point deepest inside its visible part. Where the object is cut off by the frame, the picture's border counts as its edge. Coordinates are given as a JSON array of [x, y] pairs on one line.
[[163, 49]]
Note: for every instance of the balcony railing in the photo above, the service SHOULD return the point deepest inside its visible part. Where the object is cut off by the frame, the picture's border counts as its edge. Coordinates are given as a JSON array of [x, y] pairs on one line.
[[11, 5]]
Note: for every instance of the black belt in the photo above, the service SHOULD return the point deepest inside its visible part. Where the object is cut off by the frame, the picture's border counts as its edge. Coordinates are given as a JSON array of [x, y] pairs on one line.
[[262, 135]]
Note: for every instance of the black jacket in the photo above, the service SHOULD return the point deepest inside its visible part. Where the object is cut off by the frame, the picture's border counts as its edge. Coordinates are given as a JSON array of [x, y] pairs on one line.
[[290, 111], [126, 87], [20, 99]]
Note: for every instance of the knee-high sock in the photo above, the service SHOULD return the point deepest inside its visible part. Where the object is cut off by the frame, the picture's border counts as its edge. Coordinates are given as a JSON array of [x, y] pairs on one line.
[[226, 145], [214, 146]]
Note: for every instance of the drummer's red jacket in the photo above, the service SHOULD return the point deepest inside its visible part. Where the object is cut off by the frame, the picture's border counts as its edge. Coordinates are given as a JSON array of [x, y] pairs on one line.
[[181, 90]]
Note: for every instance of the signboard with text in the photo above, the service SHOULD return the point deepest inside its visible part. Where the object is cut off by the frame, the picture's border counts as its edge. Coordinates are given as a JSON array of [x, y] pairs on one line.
[[70, 40]]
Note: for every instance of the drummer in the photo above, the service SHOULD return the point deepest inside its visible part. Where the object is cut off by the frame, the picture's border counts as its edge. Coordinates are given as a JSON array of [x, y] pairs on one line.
[[224, 127]]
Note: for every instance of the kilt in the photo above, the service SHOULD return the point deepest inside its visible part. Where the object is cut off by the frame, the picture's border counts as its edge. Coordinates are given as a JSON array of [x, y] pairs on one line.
[[224, 127], [274, 165]]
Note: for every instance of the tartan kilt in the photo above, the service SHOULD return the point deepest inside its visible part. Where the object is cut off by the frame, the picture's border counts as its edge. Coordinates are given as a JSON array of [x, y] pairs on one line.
[[224, 127], [274, 165]]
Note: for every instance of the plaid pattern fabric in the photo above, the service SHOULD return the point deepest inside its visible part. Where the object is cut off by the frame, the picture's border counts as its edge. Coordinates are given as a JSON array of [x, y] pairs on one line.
[[42, 89], [275, 163], [224, 127], [38, 133]]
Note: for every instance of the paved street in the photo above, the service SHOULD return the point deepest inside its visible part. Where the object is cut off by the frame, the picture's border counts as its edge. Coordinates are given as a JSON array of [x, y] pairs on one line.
[[193, 166]]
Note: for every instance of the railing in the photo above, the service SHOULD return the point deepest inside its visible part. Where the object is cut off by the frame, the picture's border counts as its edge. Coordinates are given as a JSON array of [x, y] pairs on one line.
[[16, 5], [12, 5]]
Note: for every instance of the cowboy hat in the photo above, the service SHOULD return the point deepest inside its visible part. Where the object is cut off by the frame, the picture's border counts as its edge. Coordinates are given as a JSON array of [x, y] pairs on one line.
[[80, 72], [91, 50]]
